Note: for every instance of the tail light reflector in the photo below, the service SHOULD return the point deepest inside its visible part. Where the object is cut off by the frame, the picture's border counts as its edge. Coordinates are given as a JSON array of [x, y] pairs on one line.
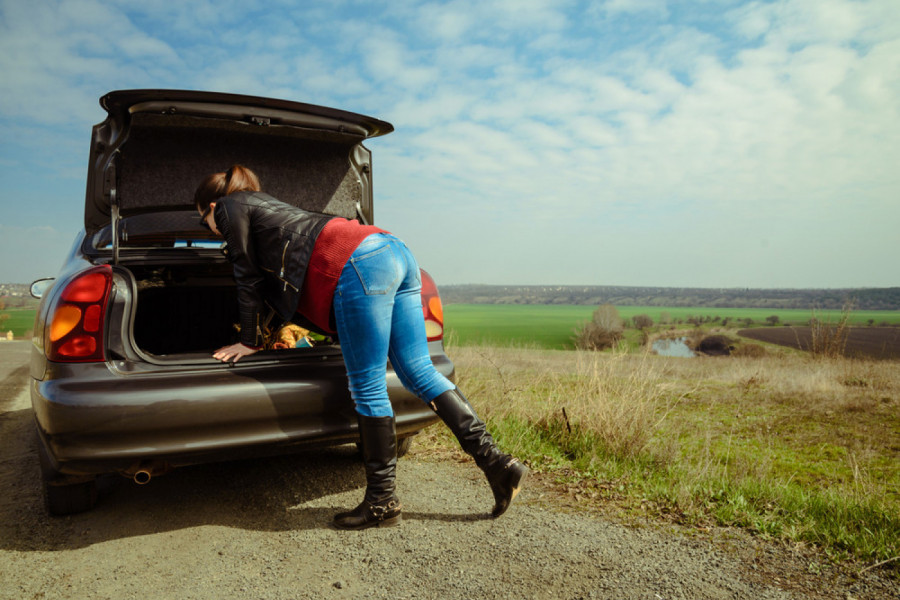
[[432, 308], [77, 319]]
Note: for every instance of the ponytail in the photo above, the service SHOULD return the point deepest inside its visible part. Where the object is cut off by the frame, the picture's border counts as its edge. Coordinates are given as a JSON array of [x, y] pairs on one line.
[[235, 179]]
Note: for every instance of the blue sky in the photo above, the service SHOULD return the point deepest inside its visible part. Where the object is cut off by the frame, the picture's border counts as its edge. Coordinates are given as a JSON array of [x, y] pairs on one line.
[[713, 143]]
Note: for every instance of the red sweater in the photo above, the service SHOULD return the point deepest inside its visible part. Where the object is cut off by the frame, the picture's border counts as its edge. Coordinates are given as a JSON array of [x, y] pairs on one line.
[[333, 249]]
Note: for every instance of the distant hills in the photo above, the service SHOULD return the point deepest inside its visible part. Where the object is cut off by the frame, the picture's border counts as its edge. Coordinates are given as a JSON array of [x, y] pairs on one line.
[[863, 299]]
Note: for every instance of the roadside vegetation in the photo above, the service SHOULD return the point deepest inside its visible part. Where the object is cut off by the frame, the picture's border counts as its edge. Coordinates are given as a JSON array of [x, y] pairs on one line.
[[785, 444]]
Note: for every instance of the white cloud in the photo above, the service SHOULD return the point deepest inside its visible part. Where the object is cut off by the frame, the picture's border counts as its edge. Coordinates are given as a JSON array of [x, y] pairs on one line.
[[814, 21], [68, 50], [659, 7], [446, 21], [392, 63], [497, 19]]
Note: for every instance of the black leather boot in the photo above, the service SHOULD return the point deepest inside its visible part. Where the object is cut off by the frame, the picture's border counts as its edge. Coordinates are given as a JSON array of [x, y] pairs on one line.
[[503, 472], [380, 507]]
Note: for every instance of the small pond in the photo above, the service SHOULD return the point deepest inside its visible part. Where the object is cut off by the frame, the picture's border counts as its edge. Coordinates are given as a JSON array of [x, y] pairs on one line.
[[673, 347]]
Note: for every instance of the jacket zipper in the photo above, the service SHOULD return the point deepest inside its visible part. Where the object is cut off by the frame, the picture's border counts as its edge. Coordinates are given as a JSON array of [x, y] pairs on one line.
[[281, 274], [286, 283]]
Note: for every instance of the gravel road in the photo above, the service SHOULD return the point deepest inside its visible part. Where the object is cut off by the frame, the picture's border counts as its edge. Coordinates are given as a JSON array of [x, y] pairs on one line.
[[260, 530]]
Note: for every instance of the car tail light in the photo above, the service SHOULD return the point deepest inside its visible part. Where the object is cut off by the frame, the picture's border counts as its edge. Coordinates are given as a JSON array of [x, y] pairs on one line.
[[432, 308], [77, 319]]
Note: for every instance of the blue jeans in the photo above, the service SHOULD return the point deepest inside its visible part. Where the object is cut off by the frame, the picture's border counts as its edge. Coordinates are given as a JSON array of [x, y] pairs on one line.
[[378, 313]]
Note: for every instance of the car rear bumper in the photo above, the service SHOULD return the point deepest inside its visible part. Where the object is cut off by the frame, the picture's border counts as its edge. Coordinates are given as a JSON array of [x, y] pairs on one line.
[[103, 417]]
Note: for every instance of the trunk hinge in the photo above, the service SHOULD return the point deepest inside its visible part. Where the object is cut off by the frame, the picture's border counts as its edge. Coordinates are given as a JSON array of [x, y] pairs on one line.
[[109, 189], [359, 213], [366, 169], [359, 210]]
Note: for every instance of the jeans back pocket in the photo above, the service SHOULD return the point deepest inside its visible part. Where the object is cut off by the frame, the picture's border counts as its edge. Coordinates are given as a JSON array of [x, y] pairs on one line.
[[379, 270]]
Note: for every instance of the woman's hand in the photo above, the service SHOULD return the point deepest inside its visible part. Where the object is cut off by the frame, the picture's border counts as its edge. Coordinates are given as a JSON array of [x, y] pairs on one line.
[[233, 353]]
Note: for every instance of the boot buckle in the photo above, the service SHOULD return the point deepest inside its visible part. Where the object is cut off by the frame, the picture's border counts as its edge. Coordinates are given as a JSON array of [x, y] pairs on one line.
[[380, 511]]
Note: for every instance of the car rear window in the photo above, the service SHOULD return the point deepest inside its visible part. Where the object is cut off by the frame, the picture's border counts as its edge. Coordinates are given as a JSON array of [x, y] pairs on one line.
[[169, 229]]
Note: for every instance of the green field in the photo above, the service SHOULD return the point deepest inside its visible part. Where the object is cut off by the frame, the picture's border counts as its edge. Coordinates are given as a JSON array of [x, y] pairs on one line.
[[552, 326], [20, 321]]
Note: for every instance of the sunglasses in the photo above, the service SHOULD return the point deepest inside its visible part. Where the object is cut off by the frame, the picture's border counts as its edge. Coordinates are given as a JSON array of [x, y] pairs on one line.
[[206, 212], [203, 216]]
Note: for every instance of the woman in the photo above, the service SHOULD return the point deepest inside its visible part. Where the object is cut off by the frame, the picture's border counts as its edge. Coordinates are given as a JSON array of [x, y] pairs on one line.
[[362, 283]]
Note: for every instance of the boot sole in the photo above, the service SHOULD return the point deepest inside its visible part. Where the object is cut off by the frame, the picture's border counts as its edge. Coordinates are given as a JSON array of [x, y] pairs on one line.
[[518, 478], [517, 487], [392, 522]]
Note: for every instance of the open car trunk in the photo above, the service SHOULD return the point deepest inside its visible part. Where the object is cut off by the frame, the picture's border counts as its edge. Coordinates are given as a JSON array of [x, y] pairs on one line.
[[150, 154], [183, 309], [187, 309]]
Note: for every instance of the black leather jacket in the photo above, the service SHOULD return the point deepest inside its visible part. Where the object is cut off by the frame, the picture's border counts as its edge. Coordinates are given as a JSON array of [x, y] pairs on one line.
[[269, 244]]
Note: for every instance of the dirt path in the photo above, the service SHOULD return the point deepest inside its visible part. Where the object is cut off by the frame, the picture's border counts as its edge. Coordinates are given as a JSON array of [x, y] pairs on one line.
[[259, 529]]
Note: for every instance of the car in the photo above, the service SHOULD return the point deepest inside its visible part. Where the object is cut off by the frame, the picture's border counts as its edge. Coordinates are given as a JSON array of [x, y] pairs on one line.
[[122, 377]]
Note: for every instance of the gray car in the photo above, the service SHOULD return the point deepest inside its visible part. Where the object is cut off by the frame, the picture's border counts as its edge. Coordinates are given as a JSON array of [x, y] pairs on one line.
[[122, 375]]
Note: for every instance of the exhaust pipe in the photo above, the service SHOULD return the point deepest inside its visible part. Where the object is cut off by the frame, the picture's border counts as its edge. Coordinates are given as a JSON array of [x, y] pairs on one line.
[[142, 472]]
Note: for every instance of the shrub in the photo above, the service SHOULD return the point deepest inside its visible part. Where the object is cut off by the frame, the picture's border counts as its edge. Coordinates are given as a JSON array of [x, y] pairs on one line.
[[642, 321], [603, 331], [715, 345], [829, 340]]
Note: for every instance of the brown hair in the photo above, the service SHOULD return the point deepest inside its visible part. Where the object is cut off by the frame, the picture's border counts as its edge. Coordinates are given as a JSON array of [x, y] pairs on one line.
[[217, 185]]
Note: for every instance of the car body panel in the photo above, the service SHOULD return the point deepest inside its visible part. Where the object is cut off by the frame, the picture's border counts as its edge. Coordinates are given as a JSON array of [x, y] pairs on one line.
[[100, 414]]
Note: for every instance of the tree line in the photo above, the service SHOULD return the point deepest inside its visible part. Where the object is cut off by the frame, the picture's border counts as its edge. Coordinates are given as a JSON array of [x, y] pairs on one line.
[[825, 299]]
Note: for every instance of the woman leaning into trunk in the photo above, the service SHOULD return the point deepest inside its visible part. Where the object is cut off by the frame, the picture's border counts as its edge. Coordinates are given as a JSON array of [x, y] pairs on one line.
[[362, 283]]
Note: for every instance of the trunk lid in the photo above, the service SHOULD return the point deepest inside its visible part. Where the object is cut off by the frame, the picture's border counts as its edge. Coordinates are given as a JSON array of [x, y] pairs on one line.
[[155, 146]]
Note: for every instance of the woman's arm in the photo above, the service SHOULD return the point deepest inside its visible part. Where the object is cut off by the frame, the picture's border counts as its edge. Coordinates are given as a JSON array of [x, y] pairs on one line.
[[234, 221]]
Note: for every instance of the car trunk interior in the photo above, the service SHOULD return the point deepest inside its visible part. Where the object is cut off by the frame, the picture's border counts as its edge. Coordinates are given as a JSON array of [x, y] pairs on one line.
[[185, 308]]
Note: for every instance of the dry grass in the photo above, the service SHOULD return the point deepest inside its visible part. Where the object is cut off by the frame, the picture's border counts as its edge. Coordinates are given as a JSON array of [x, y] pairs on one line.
[[828, 339], [626, 393], [619, 398], [786, 444]]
